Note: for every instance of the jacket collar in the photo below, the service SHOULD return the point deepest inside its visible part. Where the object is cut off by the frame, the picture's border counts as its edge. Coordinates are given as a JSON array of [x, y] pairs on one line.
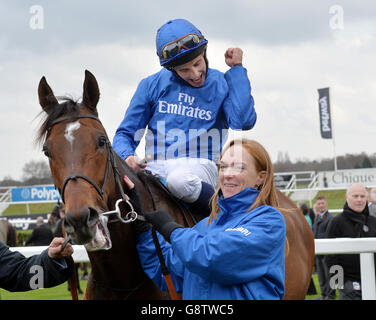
[[357, 217], [238, 203]]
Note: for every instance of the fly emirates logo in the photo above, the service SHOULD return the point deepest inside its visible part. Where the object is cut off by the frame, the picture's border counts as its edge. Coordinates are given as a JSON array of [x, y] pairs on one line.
[[184, 107]]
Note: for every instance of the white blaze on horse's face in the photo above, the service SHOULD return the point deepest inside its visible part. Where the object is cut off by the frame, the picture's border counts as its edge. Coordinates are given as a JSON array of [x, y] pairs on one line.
[[69, 132]]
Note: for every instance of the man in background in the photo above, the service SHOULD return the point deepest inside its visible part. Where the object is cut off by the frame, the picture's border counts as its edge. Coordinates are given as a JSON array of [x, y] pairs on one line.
[[322, 219], [42, 234], [372, 202], [354, 222]]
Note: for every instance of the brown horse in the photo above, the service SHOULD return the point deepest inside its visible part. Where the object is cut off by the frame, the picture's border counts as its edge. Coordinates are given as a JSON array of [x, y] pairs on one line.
[[10, 234], [300, 250], [89, 175]]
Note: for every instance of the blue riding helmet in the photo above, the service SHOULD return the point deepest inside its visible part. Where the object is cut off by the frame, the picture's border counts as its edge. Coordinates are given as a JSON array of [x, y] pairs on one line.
[[174, 30]]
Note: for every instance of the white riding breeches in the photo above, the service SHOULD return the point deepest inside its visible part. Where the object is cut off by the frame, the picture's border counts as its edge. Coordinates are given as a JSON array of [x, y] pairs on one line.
[[184, 175]]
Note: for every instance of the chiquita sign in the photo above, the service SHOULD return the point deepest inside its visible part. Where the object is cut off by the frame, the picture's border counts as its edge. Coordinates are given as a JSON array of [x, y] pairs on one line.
[[344, 178]]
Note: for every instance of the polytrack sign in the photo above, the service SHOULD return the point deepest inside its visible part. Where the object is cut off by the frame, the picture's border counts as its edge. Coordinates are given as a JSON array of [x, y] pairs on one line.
[[35, 193]]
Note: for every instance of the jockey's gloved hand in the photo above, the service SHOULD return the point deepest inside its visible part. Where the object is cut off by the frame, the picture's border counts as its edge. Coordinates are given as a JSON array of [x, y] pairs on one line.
[[162, 222], [138, 225]]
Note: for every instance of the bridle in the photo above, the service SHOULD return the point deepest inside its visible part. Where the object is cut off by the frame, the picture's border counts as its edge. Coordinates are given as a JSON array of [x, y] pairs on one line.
[[111, 163]]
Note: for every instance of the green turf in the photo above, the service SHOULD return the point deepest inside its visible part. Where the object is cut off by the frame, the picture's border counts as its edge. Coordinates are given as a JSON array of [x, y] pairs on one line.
[[57, 293], [61, 293], [16, 209], [335, 198]]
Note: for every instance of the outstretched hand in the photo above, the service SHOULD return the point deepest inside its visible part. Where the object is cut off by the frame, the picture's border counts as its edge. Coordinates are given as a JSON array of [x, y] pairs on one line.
[[233, 56]]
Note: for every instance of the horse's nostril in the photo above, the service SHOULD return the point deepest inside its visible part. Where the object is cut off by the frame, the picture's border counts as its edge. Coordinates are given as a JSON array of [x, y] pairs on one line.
[[85, 218], [68, 224], [93, 217]]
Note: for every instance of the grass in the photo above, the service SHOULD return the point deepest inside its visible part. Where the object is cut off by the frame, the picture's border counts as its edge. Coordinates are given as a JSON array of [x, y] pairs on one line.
[[56, 293], [61, 293], [335, 198], [17, 209], [318, 295]]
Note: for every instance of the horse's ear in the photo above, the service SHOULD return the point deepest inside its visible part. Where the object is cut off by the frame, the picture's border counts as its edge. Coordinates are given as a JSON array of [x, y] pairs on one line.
[[91, 91], [47, 98]]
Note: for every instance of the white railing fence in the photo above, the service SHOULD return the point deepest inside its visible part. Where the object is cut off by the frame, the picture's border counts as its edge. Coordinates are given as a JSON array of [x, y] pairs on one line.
[[364, 246], [79, 253]]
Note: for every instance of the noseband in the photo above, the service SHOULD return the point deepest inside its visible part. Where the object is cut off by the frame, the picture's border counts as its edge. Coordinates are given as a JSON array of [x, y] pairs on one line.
[[132, 215]]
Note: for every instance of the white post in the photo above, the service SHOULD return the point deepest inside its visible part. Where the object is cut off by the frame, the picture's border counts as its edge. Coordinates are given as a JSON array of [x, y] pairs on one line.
[[335, 154], [367, 272]]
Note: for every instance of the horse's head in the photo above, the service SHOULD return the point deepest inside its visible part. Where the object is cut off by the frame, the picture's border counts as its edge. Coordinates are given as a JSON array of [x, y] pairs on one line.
[[80, 156]]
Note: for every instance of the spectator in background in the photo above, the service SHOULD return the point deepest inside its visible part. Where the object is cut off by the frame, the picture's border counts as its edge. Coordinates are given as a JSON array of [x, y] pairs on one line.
[[8, 234], [372, 202], [323, 217], [305, 210], [3, 232], [312, 215], [353, 222], [41, 235]]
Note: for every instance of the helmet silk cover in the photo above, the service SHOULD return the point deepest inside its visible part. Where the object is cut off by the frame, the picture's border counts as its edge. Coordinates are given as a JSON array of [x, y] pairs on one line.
[[173, 30]]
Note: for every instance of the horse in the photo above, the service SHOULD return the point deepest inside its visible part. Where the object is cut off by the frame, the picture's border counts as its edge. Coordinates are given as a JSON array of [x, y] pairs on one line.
[[299, 250], [8, 233], [88, 175]]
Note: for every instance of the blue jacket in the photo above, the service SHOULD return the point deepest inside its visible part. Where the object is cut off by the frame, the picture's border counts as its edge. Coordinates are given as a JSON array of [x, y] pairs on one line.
[[177, 114], [240, 255]]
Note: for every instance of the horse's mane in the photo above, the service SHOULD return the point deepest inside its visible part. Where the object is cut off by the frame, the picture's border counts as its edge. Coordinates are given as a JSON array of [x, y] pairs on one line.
[[68, 106], [148, 177]]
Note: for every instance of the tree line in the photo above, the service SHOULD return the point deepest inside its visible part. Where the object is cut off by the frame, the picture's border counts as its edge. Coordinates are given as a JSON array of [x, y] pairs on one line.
[[347, 161], [38, 172]]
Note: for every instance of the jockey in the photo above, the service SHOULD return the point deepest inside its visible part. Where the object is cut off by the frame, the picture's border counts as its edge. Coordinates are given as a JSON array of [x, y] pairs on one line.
[[187, 108]]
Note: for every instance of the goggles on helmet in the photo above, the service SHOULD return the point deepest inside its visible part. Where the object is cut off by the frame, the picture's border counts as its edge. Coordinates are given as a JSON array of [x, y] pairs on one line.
[[173, 48]]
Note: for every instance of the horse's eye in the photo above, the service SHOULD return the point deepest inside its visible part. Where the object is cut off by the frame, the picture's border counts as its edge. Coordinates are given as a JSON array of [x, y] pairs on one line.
[[102, 141], [45, 151]]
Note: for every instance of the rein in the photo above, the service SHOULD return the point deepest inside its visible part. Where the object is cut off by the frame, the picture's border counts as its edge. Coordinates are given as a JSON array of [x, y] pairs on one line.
[[165, 271]]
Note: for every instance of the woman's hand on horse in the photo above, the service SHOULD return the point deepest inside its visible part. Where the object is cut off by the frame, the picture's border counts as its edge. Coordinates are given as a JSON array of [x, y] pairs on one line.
[[135, 162], [162, 222], [54, 250]]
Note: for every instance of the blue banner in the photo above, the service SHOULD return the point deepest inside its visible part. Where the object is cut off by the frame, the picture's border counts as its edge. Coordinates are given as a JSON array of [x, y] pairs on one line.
[[35, 193]]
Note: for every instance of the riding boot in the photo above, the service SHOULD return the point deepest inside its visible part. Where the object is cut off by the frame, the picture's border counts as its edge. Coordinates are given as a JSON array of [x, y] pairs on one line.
[[201, 207]]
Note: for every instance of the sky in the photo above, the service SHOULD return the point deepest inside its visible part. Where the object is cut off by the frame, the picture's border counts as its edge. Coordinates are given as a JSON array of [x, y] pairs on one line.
[[291, 49]]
